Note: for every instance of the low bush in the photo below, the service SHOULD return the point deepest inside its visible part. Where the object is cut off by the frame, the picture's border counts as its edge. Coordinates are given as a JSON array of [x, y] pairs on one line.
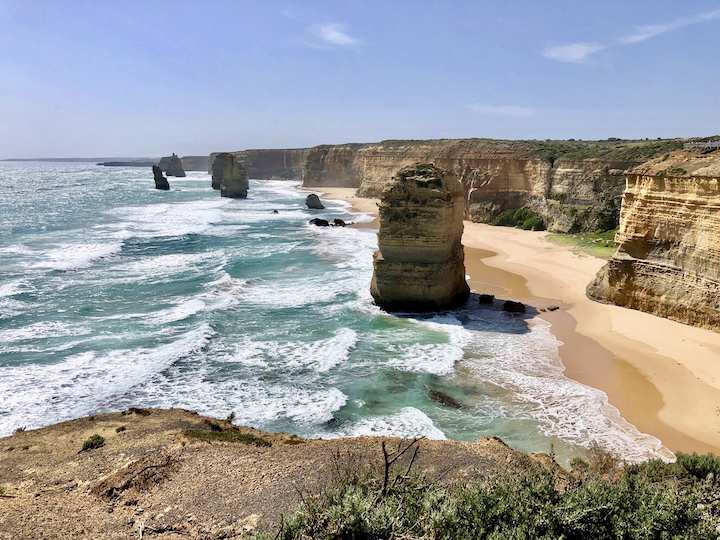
[[229, 435], [95, 441], [523, 218], [628, 504]]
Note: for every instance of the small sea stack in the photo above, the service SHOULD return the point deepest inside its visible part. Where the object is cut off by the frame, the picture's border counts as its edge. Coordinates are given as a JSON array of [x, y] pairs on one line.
[[160, 181], [313, 202], [175, 167], [230, 176], [419, 265]]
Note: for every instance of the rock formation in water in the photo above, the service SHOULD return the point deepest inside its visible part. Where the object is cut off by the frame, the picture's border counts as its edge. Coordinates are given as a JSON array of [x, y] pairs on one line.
[[188, 163], [175, 167], [313, 202], [230, 177], [281, 164], [668, 260], [160, 181], [419, 265]]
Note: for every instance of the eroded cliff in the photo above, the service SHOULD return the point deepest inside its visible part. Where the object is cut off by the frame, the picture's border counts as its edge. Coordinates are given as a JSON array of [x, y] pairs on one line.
[[419, 265], [573, 185], [272, 164], [668, 260]]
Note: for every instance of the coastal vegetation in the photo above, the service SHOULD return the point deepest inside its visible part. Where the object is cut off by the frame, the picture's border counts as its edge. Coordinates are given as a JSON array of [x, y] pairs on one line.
[[597, 500], [597, 244], [522, 218]]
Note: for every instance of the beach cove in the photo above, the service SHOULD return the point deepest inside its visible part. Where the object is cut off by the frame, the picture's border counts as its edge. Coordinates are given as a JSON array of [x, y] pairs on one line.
[[663, 376]]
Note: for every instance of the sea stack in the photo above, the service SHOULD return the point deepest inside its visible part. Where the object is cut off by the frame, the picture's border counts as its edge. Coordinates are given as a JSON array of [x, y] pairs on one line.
[[160, 181], [175, 167], [313, 202], [419, 265], [668, 259], [229, 176]]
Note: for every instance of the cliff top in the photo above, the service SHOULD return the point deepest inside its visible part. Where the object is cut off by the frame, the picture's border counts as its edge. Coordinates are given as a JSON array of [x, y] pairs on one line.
[[179, 472], [683, 163]]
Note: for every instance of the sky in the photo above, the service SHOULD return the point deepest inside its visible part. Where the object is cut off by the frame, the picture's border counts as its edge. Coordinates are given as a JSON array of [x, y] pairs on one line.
[[151, 77]]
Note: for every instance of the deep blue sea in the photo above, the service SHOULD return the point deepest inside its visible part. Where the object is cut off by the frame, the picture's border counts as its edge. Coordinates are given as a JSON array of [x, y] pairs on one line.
[[114, 294]]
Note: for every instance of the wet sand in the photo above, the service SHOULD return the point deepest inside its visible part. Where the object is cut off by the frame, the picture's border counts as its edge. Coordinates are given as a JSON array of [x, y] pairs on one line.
[[663, 376]]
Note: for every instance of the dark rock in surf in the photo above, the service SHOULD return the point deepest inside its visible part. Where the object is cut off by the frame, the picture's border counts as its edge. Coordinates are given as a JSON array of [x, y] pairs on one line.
[[320, 222], [313, 202], [339, 223], [513, 307], [160, 181], [486, 299]]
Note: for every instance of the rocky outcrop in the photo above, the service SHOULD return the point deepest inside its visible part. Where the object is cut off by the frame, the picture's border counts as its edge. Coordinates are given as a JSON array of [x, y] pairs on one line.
[[419, 265], [333, 166], [229, 176], [281, 164], [160, 181], [668, 260], [174, 167], [313, 202], [188, 163]]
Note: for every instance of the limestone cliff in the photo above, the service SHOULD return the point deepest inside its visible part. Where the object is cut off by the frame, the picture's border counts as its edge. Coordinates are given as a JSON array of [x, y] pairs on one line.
[[668, 260], [419, 265], [188, 163], [175, 167], [573, 185], [280, 164], [229, 176]]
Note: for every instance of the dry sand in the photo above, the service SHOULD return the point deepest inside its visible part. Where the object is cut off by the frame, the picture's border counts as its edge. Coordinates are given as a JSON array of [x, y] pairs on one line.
[[662, 375]]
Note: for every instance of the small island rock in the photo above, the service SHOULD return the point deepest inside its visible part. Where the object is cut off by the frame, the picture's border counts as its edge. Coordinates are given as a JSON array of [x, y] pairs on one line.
[[175, 167], [313, 202], [229, 176], [160, 181]]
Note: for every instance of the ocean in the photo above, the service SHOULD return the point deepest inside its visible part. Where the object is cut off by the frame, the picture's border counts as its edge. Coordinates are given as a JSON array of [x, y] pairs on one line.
[[114, 294]]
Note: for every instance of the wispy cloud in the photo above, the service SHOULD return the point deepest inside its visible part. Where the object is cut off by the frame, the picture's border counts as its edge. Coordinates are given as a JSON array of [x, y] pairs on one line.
[[333, 34], [646, 32], [574, 52], [579, 52], [501, 110]]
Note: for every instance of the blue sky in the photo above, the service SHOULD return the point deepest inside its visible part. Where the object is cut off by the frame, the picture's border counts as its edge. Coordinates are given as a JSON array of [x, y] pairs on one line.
[[146, 78]]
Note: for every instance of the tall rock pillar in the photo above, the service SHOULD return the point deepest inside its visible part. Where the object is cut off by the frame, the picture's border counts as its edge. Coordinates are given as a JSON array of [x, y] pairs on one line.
[[419, 265], [229, 176]]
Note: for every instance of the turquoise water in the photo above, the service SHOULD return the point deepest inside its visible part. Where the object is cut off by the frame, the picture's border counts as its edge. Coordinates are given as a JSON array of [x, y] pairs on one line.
[[114, 294]]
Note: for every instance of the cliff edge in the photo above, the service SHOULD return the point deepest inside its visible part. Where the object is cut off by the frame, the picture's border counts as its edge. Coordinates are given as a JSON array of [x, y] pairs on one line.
[[668, 260]]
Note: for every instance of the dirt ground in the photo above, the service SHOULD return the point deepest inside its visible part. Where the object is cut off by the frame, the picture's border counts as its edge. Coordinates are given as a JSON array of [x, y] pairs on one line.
[[151, 479]]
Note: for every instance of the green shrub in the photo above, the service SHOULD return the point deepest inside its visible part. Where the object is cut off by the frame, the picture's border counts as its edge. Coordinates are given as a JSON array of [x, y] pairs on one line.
[[523, 218], [120, 429], [95, 441], [229, 435]]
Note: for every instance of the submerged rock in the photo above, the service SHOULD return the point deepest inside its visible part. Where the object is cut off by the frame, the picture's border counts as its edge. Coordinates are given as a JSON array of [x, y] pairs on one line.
[[229, 176], [160, 181], [419, 265], [313, 202], [175, 167], [339, 223], [486, 298]]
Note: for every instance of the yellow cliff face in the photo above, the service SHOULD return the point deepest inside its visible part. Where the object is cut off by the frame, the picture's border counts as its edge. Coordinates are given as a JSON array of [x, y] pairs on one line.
[[419, 265], [668, 260]]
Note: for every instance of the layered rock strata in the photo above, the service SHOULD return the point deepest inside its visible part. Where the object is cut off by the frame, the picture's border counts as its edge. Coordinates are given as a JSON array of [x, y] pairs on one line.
[[160, 181], [419, 265], [281, 164], [668, 260], [230, 177]]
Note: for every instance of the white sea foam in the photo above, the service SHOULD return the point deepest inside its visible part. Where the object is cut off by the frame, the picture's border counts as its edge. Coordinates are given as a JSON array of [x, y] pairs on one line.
[[530, 368], [181, 311], [409, 422], [36, 395], [68, 257], [40, 330]]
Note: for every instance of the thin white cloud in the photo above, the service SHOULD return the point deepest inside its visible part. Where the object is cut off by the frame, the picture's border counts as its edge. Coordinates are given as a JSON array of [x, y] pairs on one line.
[[334, 34], [579, 52], [501, 110], [646, 32], [574, 52]]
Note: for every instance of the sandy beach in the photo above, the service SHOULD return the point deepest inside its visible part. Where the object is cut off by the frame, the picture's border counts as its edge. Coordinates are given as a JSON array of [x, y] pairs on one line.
[[663, 376]]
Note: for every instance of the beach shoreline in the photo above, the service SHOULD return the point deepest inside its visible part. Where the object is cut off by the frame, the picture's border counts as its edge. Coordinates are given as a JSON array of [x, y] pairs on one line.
[[662, 376]]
